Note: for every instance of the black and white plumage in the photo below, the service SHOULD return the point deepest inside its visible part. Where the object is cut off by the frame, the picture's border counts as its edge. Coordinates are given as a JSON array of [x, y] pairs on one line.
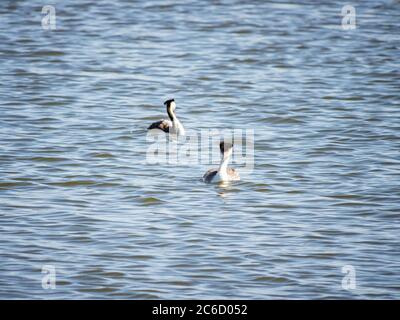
[[223, 173], [172, 126]]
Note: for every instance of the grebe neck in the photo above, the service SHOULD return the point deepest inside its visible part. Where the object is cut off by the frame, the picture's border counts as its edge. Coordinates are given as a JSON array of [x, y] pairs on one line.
[[171, 114], [223, 167]]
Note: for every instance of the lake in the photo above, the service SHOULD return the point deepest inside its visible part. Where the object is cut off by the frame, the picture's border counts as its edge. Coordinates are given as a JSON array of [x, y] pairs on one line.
[[318, 215]]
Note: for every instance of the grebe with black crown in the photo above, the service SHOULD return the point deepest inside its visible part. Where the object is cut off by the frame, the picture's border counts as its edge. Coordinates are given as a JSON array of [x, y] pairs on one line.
[[172, 126], [223, 173]]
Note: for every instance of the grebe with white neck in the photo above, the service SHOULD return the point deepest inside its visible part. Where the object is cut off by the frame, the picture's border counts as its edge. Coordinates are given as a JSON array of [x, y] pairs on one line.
[[172, 126], [223, 173]]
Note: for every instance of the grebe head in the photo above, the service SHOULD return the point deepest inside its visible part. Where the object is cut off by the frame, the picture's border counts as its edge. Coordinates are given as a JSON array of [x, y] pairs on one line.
[[171, 105], [226, 149]]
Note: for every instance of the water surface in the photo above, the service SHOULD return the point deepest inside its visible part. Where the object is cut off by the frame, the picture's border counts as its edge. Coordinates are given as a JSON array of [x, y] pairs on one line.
[[76, 193]]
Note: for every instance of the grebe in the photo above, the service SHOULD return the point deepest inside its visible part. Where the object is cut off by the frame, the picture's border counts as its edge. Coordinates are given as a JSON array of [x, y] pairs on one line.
[[223, 173], [172, 126]]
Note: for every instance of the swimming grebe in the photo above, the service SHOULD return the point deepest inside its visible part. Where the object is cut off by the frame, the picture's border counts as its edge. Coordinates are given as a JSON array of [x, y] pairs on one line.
[[172, 126], [223, 173]]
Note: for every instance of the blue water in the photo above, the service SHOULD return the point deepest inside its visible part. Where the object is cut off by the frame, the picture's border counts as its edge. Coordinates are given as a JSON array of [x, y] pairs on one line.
[[77, 194]]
